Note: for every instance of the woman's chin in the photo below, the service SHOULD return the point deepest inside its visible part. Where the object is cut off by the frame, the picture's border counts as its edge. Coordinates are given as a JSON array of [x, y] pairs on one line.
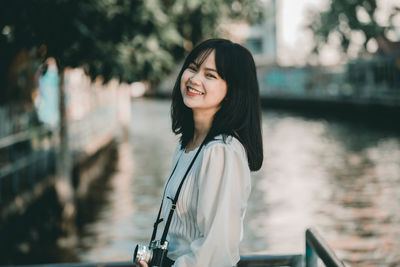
[[189, 102]]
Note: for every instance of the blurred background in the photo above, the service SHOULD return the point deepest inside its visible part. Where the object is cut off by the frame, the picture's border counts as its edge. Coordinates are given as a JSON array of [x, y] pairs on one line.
[[86, 142]]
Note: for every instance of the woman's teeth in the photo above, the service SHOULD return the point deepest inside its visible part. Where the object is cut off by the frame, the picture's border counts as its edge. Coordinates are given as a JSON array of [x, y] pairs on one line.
[[194, 91]]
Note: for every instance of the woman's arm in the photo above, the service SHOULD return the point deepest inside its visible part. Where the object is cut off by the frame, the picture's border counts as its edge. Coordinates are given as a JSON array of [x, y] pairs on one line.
[[224, 187]]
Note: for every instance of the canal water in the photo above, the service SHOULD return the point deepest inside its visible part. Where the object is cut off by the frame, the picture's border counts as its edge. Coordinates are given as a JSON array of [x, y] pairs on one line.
[[341, 177]]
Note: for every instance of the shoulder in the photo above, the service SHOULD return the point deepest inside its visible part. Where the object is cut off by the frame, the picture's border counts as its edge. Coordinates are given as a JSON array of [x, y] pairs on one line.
[[228, 144], [224, 157]]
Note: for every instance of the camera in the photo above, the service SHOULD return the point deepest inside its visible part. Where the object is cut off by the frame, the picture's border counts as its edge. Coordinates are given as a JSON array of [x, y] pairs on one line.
[[155, 255]]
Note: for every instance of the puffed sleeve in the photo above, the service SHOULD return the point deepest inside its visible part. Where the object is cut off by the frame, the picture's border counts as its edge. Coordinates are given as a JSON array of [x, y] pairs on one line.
[[224, 188]]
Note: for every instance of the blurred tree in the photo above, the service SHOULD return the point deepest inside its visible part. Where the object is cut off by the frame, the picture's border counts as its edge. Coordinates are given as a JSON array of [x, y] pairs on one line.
[[197, 19], [345, 19]]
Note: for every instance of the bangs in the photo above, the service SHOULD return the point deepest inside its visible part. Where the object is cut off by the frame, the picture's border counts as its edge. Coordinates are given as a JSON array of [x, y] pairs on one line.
[[202, 56], [224, 55], [198, 58]]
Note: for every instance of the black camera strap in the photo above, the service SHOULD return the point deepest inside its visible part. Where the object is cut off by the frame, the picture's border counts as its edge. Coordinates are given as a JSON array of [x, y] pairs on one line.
[[174, 201], [158, 220]]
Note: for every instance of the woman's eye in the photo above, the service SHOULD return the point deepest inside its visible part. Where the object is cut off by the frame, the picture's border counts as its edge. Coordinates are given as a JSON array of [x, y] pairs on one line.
[[193, 68], [210, 75]]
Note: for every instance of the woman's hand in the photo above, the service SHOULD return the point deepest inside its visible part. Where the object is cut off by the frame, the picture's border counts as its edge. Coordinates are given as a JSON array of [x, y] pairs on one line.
[[143, 264]]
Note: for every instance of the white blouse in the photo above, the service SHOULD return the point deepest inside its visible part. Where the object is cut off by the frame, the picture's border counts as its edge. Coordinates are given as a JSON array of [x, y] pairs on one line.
[[207, 225]]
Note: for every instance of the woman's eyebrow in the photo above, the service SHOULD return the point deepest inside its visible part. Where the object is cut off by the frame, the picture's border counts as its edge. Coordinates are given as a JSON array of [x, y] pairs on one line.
[[211, 69], [206, 68]]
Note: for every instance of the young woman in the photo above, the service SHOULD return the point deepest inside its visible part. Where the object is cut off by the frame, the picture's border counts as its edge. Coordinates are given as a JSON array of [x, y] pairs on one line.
[[216, 111]]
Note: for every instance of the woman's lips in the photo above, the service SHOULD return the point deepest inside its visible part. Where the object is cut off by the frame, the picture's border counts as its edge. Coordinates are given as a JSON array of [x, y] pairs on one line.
[[193, 92]]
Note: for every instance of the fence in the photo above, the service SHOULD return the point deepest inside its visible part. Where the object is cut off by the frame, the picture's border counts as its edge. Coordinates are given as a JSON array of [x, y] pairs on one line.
[[26, 158], [375, 81]]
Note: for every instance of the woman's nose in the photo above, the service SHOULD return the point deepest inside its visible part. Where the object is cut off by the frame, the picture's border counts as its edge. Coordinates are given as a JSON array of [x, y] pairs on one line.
[[194, 79]]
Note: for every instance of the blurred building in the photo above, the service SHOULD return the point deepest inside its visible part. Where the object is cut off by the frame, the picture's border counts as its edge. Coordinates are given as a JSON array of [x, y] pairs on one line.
[[261, 40]]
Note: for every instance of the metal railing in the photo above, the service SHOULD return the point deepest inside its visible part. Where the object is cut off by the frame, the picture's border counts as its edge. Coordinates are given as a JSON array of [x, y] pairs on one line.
[[316, 247], [25, 158], [90, 264], [271, 261]]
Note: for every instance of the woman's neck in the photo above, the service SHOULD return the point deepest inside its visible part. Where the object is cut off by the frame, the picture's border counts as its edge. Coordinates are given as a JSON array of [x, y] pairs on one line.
[[202, 125]]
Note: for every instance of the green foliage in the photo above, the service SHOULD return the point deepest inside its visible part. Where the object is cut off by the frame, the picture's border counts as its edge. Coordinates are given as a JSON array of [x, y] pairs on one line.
[[198, 19], [343, 18], [125, 39]]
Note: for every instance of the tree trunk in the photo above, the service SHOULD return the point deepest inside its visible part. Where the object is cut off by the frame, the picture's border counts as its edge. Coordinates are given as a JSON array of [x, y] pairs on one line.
[[63, 181]]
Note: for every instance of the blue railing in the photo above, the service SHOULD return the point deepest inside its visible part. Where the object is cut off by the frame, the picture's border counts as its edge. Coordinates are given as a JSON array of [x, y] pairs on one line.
[[317, 248]]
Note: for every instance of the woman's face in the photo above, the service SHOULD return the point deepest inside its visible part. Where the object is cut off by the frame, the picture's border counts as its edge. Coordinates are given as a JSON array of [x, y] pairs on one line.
[[202, 88]]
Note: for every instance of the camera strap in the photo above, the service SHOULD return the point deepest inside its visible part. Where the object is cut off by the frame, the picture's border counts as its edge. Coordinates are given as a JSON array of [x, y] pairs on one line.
[[171, 212], [158, 220]]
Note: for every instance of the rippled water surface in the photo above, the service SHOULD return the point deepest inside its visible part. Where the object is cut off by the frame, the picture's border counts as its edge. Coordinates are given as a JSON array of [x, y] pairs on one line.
[[342, 178]]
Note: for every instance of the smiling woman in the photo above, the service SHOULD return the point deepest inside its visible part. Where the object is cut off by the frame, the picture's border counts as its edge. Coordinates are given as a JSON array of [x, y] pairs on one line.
[[216, 111]]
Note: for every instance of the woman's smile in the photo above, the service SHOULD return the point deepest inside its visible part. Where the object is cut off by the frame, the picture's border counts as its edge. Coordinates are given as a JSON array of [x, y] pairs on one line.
[[190, 91]]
